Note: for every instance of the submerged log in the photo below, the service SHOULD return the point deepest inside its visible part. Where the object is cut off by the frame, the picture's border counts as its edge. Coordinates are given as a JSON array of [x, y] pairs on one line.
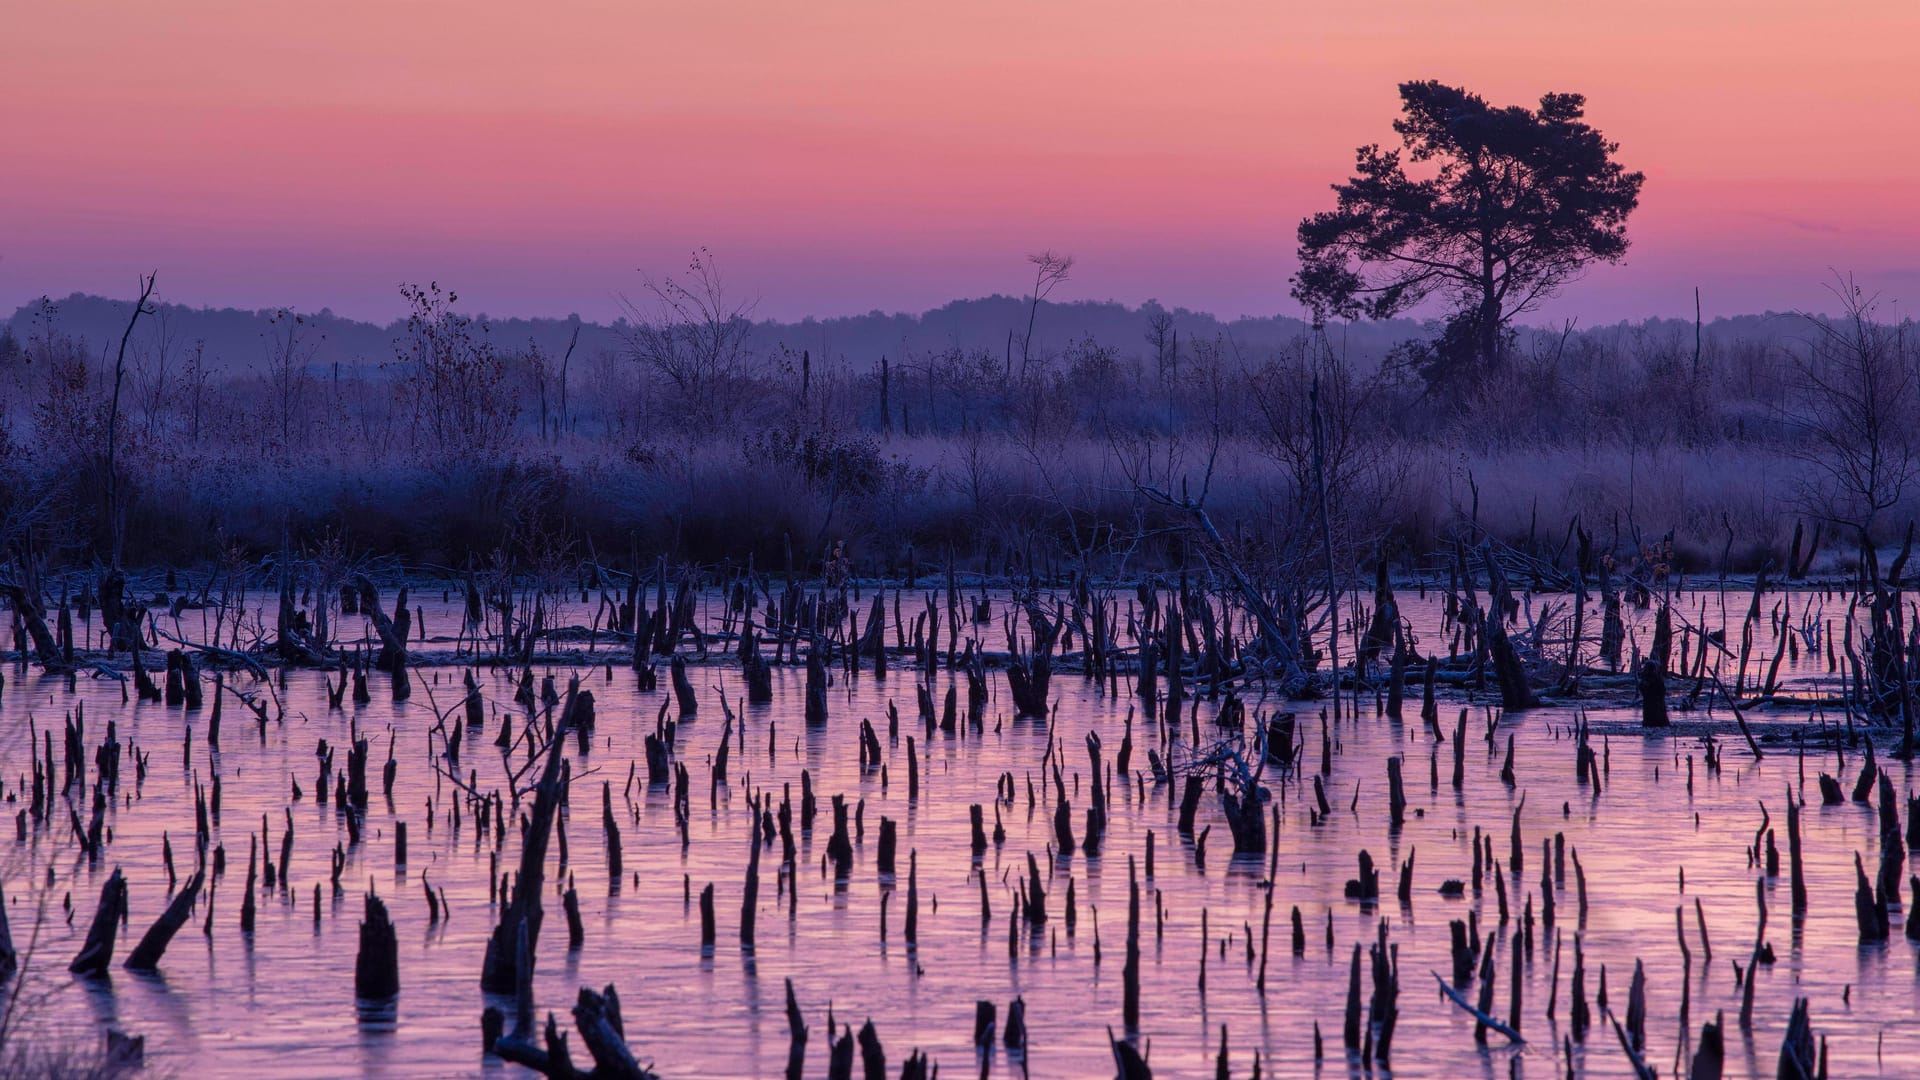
[[1479, 1015], [146, 955]]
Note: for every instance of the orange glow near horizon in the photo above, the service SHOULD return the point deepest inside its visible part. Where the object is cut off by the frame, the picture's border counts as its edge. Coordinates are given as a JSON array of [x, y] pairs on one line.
[[840, 157]]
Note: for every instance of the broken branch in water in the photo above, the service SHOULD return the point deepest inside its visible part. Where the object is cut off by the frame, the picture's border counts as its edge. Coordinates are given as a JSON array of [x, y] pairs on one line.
[[1455, 997]]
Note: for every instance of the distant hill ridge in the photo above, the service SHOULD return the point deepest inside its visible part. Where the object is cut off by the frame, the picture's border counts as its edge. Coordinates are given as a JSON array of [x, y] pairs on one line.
[[235, 338]]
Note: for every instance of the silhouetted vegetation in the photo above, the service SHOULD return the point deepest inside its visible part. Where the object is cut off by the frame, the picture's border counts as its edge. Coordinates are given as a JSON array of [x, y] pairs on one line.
[[468, 439], [1504, 207]]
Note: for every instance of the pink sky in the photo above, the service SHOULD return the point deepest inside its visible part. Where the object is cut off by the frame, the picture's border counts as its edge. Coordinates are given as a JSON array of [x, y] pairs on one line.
[[841, 157]]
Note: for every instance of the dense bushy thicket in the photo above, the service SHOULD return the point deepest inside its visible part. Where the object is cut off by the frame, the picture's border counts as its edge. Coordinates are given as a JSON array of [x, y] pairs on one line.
[[461, 444]]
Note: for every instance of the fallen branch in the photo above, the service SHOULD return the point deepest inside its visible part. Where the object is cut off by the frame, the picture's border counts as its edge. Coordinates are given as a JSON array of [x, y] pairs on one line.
[[1454, 996]]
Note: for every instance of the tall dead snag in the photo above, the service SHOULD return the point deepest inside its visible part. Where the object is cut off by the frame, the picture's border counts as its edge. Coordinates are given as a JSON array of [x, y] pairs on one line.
[[1351, 1029], [97, 952], [750, 897], [1796, 875], [1396, 795], [913, 899], [116, 507], [500, 972], [1130, 970], [612, 830]]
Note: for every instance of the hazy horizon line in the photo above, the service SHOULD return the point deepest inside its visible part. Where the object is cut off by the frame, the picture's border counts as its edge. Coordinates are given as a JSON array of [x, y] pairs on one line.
[[23, 309]]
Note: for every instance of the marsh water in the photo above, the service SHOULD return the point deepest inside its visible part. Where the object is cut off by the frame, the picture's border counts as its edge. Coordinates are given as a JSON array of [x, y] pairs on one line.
[[279, 1002]]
